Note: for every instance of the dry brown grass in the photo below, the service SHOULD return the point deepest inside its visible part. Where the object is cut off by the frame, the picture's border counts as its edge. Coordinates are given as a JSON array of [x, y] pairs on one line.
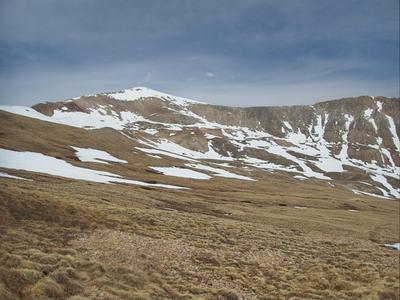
[[55, 246], [223, 239]]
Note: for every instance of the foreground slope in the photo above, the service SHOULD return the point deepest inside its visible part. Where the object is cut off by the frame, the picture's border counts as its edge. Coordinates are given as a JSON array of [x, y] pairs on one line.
[[231, 228]]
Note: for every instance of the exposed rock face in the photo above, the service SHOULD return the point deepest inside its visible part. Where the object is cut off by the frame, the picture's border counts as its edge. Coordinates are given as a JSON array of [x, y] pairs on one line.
[[348, 140]]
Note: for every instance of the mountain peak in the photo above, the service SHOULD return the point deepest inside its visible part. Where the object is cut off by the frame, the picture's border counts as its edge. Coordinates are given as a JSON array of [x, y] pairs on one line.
[[140, 92]]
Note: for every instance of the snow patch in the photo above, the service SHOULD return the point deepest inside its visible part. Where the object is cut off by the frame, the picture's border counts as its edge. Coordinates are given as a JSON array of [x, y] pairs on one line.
[[93, 155], [151, 131], [219, 172], [38, 162], [2, 174], [137, 93], [210, 136], [369, 194], [392, 128], [181, 172], [379, 105], [395, 246], [368, 112], [154, 156], [287, 125], [382, 180]]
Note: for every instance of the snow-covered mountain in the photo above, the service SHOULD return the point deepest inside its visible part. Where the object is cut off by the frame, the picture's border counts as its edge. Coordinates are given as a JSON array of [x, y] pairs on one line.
[[352, 142]]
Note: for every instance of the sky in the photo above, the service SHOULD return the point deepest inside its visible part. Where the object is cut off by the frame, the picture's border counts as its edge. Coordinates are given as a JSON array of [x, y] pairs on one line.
[[227, 52]]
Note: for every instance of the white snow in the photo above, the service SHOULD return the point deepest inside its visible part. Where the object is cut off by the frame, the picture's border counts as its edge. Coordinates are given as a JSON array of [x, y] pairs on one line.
[[329, 164], [218, 172], [210, 136], [91, 120], [379, 105], [224, 165], [262, 164], [395, 246], [26, 111], [2, 174], [94, 119], [392, 128], [368, 116], [307, 171], [325, 160], [369, 194], [38, 162], [168, 146], [181, 172], [151, 131], [166, 153], [154, 156], [345, 144], [296, 137], [93, 155], [287, 125], [137, 93], [300, 207], [382, 180], [368, 112], [389, 156]]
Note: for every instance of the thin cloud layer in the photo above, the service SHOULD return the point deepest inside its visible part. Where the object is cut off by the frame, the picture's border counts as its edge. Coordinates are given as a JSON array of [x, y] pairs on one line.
[[264, 52]]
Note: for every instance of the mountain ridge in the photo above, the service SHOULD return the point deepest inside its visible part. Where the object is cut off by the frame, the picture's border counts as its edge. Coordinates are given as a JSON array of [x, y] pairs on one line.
[[349, 140], [145, 92]]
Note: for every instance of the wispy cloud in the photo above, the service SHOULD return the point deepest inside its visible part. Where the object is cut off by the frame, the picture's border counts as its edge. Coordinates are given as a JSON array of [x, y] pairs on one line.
[[147, 77], [209, 74]]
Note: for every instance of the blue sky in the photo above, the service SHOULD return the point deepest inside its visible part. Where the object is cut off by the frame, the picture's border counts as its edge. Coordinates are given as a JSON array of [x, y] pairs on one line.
[[228, 52]]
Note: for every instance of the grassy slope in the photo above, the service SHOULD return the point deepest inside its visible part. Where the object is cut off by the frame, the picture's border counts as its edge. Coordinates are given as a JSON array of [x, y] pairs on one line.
[[222, 239]]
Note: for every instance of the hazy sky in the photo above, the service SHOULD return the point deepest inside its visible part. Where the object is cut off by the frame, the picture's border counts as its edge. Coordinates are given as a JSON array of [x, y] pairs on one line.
[[252, 52]]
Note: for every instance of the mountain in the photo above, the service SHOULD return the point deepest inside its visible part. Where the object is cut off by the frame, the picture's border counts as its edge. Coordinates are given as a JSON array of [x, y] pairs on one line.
[[352, 142], [142, 195]]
